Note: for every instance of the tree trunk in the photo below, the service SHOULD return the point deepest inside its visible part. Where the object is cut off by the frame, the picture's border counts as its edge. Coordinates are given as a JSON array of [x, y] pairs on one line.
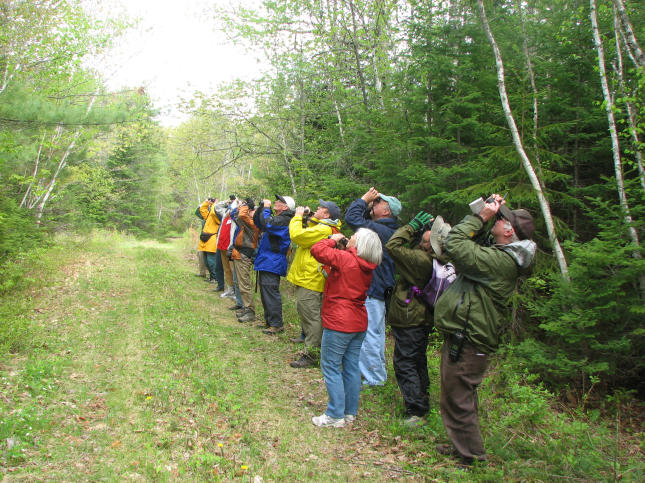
[[62, 164], [613, 133], [535, 182], [631, 109], [629, 33]]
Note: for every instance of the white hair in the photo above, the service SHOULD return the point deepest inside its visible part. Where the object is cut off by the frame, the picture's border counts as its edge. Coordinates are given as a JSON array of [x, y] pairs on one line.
[[368, 246]]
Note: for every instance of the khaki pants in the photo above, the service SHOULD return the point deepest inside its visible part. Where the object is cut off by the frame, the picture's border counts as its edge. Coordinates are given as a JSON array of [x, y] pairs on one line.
[[309, 304], [228, 269], [459, 382], [201, 262], [243, 269]]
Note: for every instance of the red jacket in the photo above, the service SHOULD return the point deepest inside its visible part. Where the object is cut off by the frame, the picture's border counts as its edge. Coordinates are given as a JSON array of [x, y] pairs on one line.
[[224, 234], [346, 287]]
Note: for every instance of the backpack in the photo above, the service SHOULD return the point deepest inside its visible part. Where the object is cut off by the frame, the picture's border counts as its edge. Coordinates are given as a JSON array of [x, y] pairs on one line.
[[443, 275]]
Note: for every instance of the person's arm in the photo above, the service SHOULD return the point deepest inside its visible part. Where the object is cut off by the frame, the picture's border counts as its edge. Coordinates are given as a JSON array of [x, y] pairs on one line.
[[414, 265], [203, 209], [356, 214], [470, 259], [325, 252], [306, 237]]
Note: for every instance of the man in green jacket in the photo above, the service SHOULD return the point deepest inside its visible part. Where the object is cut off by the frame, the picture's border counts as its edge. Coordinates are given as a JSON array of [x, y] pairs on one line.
[[409, 317], [471, 314], [307, 274]]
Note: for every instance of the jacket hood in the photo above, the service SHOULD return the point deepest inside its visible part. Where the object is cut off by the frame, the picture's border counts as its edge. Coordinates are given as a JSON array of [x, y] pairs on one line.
[[362, 263], [522, 252], [327, 221], [389, 222]]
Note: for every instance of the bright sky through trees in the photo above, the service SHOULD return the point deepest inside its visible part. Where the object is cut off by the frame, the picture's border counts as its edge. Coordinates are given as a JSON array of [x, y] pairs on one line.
[[176, 48]]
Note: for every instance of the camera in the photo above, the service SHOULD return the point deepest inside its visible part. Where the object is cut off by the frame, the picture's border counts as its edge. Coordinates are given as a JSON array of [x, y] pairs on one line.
[[212, 200], [456, 345], [342, 243], [477, 205]]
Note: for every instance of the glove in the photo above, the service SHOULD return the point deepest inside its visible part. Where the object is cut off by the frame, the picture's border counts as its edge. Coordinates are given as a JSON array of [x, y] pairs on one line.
[[420, 220]]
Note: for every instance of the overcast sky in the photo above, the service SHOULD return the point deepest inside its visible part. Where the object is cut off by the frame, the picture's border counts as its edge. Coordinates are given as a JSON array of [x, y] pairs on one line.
[[177, 48]]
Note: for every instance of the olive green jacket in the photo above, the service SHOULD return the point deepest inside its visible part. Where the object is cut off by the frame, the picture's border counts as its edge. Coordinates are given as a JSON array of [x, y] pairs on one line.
[[487, 276], [414, 267]]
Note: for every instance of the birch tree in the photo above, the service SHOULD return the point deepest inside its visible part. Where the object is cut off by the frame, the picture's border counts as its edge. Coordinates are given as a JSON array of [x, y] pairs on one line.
[[528, 166]]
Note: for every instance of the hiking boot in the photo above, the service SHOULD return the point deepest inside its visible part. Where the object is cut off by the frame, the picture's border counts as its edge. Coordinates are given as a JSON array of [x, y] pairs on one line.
[[273, 330], [447, 450], [305, 361], [412, 421], [247, 316], [297, 340], [236, 307], [324, 421]]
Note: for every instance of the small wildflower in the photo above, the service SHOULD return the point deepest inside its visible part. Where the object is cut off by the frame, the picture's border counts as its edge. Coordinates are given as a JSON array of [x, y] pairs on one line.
[[148, 398], [244, 467], [220, 445]]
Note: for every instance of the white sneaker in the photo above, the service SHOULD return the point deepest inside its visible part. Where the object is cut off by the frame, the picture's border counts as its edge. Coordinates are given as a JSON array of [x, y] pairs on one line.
[[226, 293], [349, 418], [323, 421]]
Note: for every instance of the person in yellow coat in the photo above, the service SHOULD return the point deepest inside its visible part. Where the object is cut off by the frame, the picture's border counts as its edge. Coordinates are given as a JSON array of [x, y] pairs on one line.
[[306, 273], [208, 239]]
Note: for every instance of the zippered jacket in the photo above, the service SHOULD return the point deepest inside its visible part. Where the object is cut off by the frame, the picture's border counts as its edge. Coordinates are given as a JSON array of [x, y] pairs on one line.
[[343, 307], [305, 270], [275, 242], [211, 225], [246, 238], [477, 301], [414, 268], [358, 216]]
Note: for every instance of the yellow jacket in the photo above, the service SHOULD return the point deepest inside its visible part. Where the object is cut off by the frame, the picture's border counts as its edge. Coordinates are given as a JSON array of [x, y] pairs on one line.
[[305, 270], [211, 226]]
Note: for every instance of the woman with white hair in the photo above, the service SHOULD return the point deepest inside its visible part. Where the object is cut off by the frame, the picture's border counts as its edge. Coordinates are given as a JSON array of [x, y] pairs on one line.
[[349, 264]]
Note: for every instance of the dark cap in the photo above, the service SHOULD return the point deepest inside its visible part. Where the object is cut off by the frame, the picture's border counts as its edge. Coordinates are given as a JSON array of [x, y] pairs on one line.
[[334, 211], [250, 203], [521, 221], [287, 200]]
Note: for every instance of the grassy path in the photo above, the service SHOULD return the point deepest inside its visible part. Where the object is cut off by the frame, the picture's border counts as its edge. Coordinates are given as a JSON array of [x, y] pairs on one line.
[[143, 373], [122, 365]]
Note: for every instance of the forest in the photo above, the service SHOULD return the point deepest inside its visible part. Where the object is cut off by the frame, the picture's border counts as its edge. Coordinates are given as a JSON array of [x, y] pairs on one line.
[[435, 102]]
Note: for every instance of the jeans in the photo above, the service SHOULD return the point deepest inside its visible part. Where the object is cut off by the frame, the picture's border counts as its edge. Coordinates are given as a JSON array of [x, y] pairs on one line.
[[343, 386], [214, 264], [372, 359]]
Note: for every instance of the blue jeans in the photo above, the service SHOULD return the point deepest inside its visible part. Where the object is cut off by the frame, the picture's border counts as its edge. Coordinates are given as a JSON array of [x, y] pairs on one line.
[[372, 359], [343, 386]]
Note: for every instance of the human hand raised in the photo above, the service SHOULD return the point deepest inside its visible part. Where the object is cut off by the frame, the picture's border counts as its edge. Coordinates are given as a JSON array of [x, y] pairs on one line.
[[420, 220], [371, 195]]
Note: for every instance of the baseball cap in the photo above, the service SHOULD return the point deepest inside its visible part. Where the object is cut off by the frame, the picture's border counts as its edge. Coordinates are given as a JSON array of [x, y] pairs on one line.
[[288, 200], [395, 205], [521, 221], [334, 211]]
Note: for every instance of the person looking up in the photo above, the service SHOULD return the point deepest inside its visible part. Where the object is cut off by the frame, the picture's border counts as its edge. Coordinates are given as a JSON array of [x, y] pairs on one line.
[[306, 274], [377, 212]]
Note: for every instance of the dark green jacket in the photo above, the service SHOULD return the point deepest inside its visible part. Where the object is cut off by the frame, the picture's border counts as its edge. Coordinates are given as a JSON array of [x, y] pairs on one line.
[[487, 276], [414, 267]]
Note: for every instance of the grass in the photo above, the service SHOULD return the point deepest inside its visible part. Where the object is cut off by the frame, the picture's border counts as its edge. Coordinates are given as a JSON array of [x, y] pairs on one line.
[[119, 364]]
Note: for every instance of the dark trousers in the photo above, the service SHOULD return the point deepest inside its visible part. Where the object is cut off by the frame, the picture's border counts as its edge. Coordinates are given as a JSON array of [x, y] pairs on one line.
[[411, 367], [459, 382], [271, 299], [215, 268]]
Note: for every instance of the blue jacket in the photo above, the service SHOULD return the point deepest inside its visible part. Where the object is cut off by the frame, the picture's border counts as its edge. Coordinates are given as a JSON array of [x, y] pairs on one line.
[[275, 242], [358, 216]]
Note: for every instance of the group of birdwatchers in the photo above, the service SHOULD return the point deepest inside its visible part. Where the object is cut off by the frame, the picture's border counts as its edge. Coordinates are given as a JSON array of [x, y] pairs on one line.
[[346, 289]]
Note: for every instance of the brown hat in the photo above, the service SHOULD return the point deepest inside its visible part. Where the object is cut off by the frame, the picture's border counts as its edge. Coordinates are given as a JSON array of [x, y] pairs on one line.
[[521, 221]]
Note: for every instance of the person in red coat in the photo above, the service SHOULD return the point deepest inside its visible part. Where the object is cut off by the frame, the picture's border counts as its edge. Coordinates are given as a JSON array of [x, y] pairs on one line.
[[349, 265]]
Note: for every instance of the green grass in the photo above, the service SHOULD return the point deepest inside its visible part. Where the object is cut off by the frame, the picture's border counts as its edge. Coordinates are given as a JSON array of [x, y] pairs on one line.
[[119, 364]]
